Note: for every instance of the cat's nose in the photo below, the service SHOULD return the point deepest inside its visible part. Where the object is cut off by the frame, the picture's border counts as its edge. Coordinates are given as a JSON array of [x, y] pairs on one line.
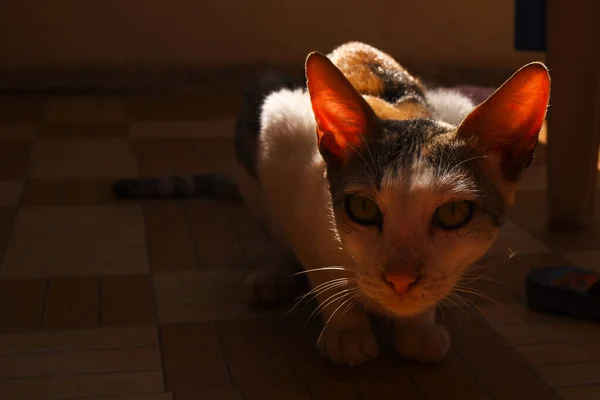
[[402, 283]]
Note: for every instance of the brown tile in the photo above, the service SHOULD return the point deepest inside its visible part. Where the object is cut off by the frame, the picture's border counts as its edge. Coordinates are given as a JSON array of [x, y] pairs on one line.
[[571, 374], [169, 237], [55, 192], [253, 353], [72, 303], [159, 156], [161, 396], [84, 130], [85, 109], [182, 108], [7, 219], [515, 383], [216, 243], [21, 304], [299, 344], [333, 390], [77, 241], [18, 129], [516, 313], [276, 392], [193, 296], [401, 387], [219, 127], [79, 362], [21, 108], [81, 339], [192, 358], [549, 332], [585, 392], [127, 300], [10, 192], [83, 386], [15, 157], [560, 353], [514, 240], [211, 394], [479, 346], [83, 158], [253, 242], [586, 259], [448, 380]]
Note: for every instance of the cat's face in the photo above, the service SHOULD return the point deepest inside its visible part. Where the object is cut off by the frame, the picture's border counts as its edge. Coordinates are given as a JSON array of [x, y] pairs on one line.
[[414, 202], [417, 201]]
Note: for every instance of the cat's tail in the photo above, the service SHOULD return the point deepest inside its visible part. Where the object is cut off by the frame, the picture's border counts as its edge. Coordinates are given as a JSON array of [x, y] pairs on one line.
[[206, 186]]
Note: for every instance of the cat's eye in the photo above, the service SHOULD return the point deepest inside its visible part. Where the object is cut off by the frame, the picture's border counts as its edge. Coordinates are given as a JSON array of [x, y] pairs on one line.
[[453, 215], [363, 210]]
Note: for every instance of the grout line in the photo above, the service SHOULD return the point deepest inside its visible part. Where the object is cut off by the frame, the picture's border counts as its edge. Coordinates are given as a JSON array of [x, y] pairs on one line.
[[19, 378], [44, 303], [223, 355]]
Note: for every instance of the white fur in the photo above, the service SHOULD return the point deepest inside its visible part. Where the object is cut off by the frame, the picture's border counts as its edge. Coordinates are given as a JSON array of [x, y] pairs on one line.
[[450, 105]]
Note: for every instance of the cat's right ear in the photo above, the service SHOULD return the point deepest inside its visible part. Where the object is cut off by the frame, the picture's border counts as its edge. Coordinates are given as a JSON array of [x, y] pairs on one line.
[[343, 116]]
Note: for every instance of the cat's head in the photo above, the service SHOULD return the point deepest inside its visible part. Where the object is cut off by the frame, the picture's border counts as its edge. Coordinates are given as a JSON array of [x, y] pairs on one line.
[[417, 201]]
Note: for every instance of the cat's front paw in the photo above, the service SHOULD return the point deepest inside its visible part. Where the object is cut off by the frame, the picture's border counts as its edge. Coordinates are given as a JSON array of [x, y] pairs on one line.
[[424, 343], [348, 347]]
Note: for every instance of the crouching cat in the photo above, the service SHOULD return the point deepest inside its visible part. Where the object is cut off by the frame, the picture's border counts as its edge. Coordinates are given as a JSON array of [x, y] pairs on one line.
[[383, 191]]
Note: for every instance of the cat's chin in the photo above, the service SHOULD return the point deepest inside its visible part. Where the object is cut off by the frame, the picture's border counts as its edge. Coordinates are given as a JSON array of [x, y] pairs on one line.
[[399, 307]]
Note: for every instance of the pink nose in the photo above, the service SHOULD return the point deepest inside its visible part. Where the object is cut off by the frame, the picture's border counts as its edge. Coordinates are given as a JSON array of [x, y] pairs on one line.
[[401, 283]]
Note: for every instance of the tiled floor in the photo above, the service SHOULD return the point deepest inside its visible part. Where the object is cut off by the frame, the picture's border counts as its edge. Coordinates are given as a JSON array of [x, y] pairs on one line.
[[100, 300]]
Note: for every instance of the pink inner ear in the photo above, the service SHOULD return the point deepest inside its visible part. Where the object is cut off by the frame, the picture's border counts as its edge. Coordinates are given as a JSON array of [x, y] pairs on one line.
[[340, 111], [514, 114]]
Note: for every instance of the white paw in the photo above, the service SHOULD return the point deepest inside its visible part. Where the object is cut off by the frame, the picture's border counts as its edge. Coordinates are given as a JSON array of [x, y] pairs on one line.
[[347, 347], [427, 344], [268, 286]]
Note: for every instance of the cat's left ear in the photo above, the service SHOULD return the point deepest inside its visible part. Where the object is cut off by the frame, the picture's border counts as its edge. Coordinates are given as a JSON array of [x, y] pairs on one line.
[[343, 116], [509, 121]]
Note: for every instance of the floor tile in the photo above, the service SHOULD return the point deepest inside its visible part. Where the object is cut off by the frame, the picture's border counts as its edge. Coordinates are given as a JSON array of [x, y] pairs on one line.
[[14, 366], [585, 392], [80, 339], [72, 303], [169, 237], [560, 353], [194, 296], [571, 374], [18, 129], [277, 392], [335, 390], [182, 108], [548, 332], [21, 108], [516, 313], [515, 383], [15, 159], [127, 300], [216, 244], [85, 109], [83, 386], [585, 259], [478, 345], [79, 130], [161, 396], [21, 304], [83, 158], [10, 191], [514, 240], [170, 129], [254, 354], [61, 192], [211, 394], [192, 358], [401, 387], [449, 380], [76, 241]]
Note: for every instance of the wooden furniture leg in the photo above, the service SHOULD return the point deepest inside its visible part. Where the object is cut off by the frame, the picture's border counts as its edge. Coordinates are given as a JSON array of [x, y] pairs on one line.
[[573, 47]]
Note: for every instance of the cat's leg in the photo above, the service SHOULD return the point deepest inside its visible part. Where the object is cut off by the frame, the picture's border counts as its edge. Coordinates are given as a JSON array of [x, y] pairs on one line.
[[346, 338], [420, 338]]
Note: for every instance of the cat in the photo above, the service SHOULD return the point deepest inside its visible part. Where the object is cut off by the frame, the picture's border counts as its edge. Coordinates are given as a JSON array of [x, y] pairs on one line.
[[384, 191]]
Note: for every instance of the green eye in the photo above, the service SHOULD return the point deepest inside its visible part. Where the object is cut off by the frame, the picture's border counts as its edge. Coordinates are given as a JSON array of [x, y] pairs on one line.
[[362, 210], [453, 215]]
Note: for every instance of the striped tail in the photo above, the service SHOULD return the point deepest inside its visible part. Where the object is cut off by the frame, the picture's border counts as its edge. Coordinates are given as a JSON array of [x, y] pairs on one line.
[[209, 186]]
